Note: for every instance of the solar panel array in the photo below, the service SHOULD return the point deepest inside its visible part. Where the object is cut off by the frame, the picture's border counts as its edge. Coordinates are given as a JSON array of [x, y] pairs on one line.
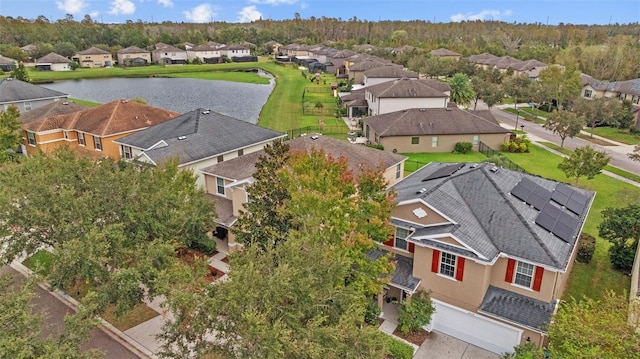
[[445, 171], [531, 193], [569, 198], [559, 222]]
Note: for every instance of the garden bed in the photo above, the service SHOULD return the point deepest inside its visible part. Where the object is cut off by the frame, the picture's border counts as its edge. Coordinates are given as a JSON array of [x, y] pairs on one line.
[[416, 338]]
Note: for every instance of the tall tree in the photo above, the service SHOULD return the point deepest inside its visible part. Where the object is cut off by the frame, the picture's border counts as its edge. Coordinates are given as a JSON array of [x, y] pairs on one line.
[[519, 89], [560, 83], [584, 161], [635, 155], [20, 72], [461, 90], [9, 133], [564, 124], [621, 227]]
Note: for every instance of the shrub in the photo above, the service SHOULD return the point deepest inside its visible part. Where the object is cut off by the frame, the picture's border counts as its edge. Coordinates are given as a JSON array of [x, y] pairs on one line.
[[205, 245], [413, 316], [463, 147], [376, 146], [73, 65], [397, 349], [621, 257], [586, 247], [371, 313]]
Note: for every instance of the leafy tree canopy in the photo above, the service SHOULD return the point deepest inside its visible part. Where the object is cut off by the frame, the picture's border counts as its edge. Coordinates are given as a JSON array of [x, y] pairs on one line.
[[584, 161], [564, 124], [621, 227]]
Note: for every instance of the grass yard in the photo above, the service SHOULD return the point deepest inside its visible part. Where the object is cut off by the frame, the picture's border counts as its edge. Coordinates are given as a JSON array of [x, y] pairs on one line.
[[594, 279], [84, 102], [417, 160], [594, 140], [525, 116], [614, 134], [39, 262], [139, 314]]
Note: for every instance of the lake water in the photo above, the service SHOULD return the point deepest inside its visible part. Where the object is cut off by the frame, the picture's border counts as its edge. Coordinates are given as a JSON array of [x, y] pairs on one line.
[[239, 100]]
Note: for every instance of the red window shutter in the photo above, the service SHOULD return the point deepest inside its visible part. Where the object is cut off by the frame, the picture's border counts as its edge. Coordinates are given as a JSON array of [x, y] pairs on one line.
[[537, 278], [412, 247], [390, 241], [511, 264], [435, 261], [459, 268]]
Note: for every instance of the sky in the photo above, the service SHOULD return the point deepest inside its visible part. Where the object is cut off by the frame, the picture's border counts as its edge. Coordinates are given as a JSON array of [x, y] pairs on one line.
[[549, 12]]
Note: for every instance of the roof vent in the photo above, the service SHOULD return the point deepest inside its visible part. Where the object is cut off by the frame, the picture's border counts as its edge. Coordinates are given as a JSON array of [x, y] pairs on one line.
[[125, 101], [475, 165], [430, 124], [315, 137], [494, 169], [448, 109], [206, 112], [423, 110], [421, 191], [65, 103], [181, 137], [419, 212]]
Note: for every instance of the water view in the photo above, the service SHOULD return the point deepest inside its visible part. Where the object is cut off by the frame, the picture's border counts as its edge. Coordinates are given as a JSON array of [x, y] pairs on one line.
[[240, 100]]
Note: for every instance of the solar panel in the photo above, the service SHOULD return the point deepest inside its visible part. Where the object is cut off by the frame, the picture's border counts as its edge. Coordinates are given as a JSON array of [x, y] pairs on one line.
[[546, 221], [521, 192], [564, 188], [570, 198], [568, 220], [561, 223], [560, 198], [445, 171], [550, 209], [531, 193], [564, 232]]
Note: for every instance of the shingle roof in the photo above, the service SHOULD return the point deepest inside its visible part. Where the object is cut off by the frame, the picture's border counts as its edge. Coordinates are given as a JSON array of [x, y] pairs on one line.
[[432, 121], [132, 50], [7, 60], [444, 52], [224, 210], [12, 90], [402, 275], [517, 308], [528, 65], [491, 220], [53, 58], [390, 71], [407, 88], [51, 110], [167, 48], [197, 135], [203, 48], [506, 62], [368, 64], [239, 168], [94, 51], [483, 58], [112, 118]]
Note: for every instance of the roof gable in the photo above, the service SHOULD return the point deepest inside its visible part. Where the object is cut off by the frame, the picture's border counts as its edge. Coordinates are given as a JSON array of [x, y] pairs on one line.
[[407, 88], [53, 58], [12, 90]]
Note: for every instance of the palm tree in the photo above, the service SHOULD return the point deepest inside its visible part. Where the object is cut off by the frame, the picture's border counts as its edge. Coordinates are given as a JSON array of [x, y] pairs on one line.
[[461, 90]]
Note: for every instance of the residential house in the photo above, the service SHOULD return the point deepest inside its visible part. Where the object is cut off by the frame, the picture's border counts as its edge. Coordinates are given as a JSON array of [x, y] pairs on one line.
[[357, 69], [53, 62], [446, 54], [234, 50], [364, 48], [168, 55], [205, 53], [484, 60], [227, 182], [494, 247], [196, 139], [92, 131], [405, 93], [93, 57], [294, 50], [356, 103], [7, 64], [530, 68], [386, 73], [433, 129], [133, 56], [273, 46], [26, 96]]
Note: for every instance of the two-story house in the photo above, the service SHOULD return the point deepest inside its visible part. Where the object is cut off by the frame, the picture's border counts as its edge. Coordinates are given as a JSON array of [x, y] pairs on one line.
[[390, 72], [446, 54], [493, 246], [93, 57], [357, 68], [26, 96], [405, 93], [434, 129], [196, 139], [93, 130], [133, 56], [205, 53], [168, 55], [234, 50], [227, 182]]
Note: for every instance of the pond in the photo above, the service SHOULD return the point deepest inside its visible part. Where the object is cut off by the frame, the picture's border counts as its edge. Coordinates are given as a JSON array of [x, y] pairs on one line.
[[239, 100]]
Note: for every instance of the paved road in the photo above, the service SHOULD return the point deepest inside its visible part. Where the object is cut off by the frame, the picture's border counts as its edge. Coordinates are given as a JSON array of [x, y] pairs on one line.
[[55, 311], [618, 153]]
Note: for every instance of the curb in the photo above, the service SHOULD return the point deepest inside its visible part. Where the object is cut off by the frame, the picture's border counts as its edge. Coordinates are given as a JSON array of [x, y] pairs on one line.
[[113, 332]]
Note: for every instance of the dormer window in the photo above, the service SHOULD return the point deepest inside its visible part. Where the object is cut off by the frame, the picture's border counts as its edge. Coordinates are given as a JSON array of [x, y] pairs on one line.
[[401, 238]]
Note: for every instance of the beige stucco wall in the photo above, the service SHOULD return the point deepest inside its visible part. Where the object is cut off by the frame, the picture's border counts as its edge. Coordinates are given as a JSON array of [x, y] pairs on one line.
[[94, 60], [547, 288], [60, 67], [386, 105], [202, 54], [446, 143], [389, 174], [143, 55]]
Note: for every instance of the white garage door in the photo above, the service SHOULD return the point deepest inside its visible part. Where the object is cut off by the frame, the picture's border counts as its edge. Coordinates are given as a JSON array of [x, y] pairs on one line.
[[474, 328]]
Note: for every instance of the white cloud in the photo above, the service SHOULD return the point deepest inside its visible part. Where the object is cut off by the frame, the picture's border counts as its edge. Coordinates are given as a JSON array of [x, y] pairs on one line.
[[274, 2], [303, 5], [482, 15], [122, 7], [94, 14], [166, 3], [201, 13], [71, 6], [248, 14]]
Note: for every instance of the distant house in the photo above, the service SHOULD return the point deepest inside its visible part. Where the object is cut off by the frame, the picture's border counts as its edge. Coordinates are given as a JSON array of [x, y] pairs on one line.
[[484, 60], [7, 64], [92, 131], [530, 68], [273, 46], [53, 62], [234, 50], [205, 53], [93, 57], [433, 129], [386, 73], [26, 96], [494, 248], [197, 139], [357, 69], [405, 93], [446, 54], [227, 182], [168, 55], [133, 56]]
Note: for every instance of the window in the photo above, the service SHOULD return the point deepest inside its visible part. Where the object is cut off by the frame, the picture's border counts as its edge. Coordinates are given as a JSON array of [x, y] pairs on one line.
[[400, 240], [434, 141], [415, 140], [476, 140], [27, 106], [366, 131], [398, 170], [127, 152], [524, 274], [220, 185], [31, 137], [65, 134], [587, 93], [377, 138], [240, 152], [447, 264], [97, 143], [81, 138], [220, 158]]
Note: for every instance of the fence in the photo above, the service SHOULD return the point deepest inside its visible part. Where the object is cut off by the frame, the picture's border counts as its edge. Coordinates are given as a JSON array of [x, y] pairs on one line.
[[324, 129], [498, 158]]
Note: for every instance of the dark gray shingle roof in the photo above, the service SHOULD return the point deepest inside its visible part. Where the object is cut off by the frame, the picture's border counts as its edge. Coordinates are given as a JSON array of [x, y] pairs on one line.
[[517, 308], [12, 90]]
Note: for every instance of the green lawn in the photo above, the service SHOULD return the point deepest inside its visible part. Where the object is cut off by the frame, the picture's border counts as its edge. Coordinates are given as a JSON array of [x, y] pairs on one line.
[[594, 279], [39, 262], [614, 134], [525, 116], [84, 102], [417, 160]]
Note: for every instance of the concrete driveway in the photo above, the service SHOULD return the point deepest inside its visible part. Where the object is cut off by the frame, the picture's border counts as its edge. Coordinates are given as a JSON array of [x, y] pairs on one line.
[[442, 346]]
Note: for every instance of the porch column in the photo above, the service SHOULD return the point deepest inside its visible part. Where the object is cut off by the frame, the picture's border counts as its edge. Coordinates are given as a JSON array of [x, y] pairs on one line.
[[381, 299]]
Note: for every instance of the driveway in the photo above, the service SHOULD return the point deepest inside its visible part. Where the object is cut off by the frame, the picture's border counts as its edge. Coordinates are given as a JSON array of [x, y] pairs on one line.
[[442, 346]]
